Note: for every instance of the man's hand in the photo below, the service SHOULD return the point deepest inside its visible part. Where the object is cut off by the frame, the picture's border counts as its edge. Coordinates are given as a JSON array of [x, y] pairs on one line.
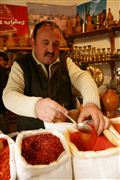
[[49, 110], [91, 111]]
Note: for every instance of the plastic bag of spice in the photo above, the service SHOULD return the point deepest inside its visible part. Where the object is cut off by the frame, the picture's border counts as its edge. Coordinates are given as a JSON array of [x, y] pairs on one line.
[[7, 161], [94, 157], [42, 154]]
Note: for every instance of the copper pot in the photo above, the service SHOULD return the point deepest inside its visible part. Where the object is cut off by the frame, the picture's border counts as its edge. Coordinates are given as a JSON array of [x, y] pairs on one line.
[[110, 101]]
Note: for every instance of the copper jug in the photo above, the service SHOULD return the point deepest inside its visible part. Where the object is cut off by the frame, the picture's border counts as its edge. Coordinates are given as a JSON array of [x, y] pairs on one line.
[[110, 102]]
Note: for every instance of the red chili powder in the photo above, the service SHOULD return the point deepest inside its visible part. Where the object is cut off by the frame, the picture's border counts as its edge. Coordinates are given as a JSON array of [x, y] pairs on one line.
[[4, 161], [41, 149], [90, 142], [117, 127]]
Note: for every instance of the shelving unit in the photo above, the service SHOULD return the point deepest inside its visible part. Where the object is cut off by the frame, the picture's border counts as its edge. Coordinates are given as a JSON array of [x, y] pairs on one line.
[[70, 39], [111, 30]]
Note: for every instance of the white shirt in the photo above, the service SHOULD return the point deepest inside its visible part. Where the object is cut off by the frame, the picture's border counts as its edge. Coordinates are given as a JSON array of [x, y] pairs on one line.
[[15, 100]]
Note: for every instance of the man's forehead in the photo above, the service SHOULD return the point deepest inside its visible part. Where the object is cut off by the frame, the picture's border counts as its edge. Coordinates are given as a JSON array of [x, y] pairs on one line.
[[48, 28]]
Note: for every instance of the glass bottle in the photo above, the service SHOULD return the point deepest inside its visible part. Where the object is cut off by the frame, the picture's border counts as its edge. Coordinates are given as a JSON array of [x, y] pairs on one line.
[[73, 53], [97, 22], [94, 54], [84, 53], [89, 54], [76, 55], [114, 54], [118, 53], [80, 54], [103, 54], [98, 54], [108, 54]]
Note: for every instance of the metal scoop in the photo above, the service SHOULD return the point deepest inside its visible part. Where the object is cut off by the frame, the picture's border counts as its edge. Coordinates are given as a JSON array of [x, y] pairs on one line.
[[83, 127]]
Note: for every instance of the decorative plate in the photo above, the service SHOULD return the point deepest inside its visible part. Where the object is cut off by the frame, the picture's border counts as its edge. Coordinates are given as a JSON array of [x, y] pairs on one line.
[[97, 74]]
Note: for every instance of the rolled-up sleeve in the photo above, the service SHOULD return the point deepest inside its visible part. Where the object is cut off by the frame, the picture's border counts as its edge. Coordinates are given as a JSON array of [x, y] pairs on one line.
[[13, 94], [84, 83]]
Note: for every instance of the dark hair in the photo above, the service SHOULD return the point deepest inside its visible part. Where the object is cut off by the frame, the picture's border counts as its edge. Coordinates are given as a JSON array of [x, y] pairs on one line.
[[53, 25], [4, 56]]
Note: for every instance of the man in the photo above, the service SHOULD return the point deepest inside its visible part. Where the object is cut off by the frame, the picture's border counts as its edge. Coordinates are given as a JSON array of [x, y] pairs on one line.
[[39, 84], [3, 80]]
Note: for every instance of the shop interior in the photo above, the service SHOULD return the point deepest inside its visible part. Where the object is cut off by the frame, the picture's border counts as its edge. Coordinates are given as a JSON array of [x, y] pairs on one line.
[[91, 38], [94, 47]]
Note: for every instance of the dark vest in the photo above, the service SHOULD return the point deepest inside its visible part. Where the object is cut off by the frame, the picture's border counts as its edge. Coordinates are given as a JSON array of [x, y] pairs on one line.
[[57, 87], [3, 81]]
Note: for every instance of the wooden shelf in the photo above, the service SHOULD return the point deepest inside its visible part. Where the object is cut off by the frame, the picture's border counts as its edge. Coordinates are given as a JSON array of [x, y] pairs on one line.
[[26, 48], [15, 48], [95, 32], [64, 49], [100, 61]]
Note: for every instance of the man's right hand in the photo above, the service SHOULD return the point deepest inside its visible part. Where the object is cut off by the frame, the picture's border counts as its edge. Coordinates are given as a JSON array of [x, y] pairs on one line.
[[48, 110]]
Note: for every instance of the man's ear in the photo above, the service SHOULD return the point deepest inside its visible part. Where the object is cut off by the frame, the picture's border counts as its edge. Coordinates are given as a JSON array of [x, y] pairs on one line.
[[32, 42]]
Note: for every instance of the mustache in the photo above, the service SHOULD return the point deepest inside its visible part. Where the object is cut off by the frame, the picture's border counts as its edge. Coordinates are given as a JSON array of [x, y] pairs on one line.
[[49, 53]]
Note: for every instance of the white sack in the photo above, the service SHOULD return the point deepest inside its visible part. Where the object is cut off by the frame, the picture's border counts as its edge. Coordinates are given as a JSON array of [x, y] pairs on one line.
[[113, 130], [96, 165], [11, 160], [60, 169], [97, 168], [61, 126]]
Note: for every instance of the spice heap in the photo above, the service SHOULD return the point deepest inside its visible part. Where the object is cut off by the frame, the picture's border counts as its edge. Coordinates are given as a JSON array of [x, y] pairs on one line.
[[4, 160], [117, 127], [90, 142], [41, 149]]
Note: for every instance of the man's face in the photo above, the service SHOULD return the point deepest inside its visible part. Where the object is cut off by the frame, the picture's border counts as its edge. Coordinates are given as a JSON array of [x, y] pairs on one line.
[[46, 45]]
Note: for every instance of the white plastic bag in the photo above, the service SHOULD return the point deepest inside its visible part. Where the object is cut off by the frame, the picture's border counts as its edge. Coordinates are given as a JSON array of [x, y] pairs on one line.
[[11, 160], [103, 164], [60, 169]]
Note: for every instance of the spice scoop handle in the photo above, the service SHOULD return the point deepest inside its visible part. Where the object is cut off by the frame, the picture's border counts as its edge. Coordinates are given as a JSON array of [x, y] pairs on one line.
[[83, 126]]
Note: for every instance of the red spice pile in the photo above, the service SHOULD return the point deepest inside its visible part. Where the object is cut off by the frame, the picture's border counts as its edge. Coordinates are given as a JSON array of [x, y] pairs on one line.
[[4, 160], [41, 149], [117, 127], [90, 142]]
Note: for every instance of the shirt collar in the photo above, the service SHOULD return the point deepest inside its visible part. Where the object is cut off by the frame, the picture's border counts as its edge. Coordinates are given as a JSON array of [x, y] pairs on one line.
[[42, 65], [39, 63]]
